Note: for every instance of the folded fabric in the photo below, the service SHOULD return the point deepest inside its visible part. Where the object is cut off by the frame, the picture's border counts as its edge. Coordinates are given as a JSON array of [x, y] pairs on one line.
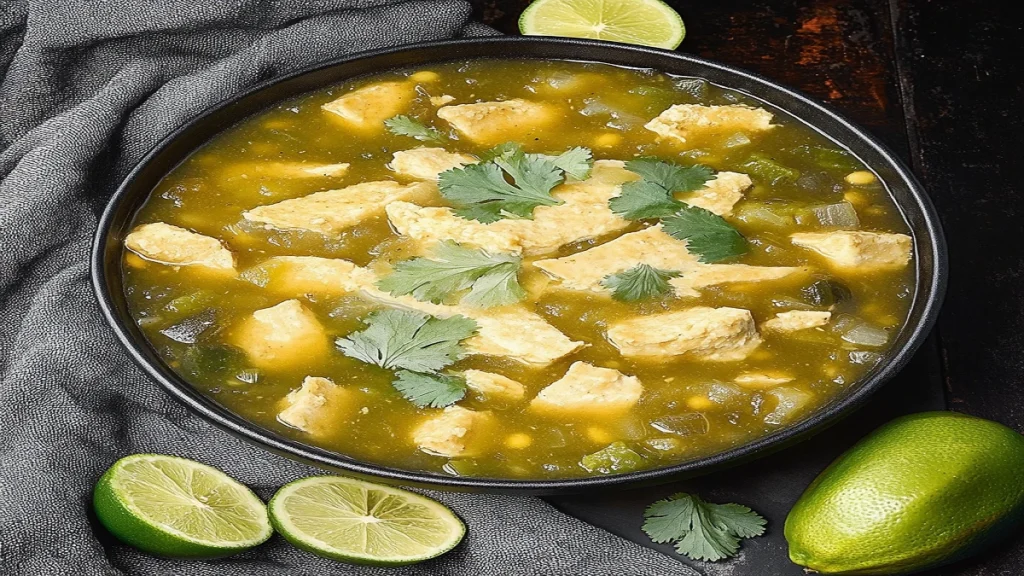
[[87, 88]]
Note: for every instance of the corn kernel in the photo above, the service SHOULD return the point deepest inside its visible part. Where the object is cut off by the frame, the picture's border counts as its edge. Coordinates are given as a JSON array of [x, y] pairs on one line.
[[855, 198], [518, 440], [134, 261], [699, 403], [607, 140], [599, 435], [860, 178], [441, 100], [425, 76]]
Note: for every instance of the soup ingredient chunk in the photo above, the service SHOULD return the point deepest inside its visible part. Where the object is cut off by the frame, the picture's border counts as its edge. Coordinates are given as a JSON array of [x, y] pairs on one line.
[[704, 275], [616, 458], [588, 390], [491, 385], [366, 108], [494, 122], [454, 432], [168, 244], [298, 275], [763, 379], [710, 334], [720, 194], [797, 320], [683, 122], [314, 407], [281, 337], [427, 163], [332, 211], [858, 249]]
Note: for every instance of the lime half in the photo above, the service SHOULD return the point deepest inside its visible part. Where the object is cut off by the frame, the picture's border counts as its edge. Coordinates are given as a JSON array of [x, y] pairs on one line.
[[175, 507], [644, 22], [363, 523]]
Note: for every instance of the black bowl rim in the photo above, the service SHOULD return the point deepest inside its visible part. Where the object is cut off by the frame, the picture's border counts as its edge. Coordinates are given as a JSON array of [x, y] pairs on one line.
[[932, 239]]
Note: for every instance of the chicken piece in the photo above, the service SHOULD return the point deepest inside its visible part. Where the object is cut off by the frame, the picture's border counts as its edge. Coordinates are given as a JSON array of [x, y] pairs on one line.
[[427, 163], [796, 320], [454, 432], [282, 337], [368, 107], [720, 194], [700, 276], [167, 244], [584, 214], [683, 122], [761, 380], [855, 249], [442, 100], [314, 408], [492, 385], [332, 211], [297, 275], [712, 334], [496, 122], [589, 390]]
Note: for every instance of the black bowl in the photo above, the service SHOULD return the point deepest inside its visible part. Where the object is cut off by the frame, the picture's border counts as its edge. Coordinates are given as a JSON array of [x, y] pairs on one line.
[[929, 245]]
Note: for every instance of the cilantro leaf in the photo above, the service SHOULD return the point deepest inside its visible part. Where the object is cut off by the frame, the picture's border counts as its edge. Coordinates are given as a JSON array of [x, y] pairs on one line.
[[483, 188], [701, 530], [640, 282], [576, 162], [671, 177], [707, 235], [409, 340], [405, 126], [642, 199], [492, 279], [434, 390]]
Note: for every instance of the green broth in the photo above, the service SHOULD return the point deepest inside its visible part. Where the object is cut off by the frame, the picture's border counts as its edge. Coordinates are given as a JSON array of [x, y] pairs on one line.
[[208, 192]]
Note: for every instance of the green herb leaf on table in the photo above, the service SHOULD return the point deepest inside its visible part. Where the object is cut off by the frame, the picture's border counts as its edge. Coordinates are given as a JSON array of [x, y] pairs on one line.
[[671, 177], [408, 340], [701, 530], [492, 279], [406, 126], [434, 390], [641, 200], [640, 282], [707, 234]]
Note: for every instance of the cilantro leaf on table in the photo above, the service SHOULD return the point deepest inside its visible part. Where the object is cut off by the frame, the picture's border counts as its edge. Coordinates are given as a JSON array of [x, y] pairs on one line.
[[434, 390], [492, 279], [402, 125], [701, 530], [671, 177], [707, 234], [408, 340], [640, 282], [509, 183], [642, 200]]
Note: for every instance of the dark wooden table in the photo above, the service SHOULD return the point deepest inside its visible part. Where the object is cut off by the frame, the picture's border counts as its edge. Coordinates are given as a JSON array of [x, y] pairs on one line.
[[942, 83]]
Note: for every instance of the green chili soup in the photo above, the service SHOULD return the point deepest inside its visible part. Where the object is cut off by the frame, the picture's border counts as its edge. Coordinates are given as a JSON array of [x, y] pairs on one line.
[[521, 269]]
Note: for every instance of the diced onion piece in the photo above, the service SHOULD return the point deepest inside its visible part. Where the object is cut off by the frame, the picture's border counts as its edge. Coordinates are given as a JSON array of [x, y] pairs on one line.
[[761, 215], [838, 215], [682, 424], [866, 335], [790, 401], [736, 140]]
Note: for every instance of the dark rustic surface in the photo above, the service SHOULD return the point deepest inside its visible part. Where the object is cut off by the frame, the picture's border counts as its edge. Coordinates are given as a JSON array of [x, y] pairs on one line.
[[940, 83]]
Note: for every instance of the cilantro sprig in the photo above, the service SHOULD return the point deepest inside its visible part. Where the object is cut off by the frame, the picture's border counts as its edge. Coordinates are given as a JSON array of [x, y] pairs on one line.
[[509, 183], [707, 235], [641, 282], [491, 279], [418, 347], [402, 125], [701, 530]]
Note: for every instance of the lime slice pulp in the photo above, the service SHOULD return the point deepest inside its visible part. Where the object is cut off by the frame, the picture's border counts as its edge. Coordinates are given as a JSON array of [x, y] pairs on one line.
[[363, 523], [644, 22], [174, 507]]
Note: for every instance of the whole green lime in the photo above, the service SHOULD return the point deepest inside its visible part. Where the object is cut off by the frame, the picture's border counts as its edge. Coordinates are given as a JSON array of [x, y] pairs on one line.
[[921, 491]]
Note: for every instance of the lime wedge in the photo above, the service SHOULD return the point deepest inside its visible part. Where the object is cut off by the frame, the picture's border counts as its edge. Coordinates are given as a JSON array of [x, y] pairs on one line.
[[363, 523], [644, 22], [178, 508]]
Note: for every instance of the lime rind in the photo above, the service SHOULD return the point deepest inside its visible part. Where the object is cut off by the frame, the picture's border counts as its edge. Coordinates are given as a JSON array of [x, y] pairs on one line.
[[362, 523], [644, 22]]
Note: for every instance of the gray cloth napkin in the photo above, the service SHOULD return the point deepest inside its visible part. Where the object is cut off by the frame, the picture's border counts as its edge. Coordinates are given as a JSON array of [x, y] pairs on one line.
[[87, 88]]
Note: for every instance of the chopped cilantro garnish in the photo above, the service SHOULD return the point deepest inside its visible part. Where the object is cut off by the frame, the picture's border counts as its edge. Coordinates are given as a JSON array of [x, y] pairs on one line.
[[707, 234], [669, 176], [492, 279], [576, 162], [408, 340], [701, 530], [434, 390], [640, 282], [406, 126], [509, 183], [642, 200]]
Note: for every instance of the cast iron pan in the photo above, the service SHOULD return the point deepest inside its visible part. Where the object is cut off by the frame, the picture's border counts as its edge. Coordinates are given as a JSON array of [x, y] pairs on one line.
[[929, 245]]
